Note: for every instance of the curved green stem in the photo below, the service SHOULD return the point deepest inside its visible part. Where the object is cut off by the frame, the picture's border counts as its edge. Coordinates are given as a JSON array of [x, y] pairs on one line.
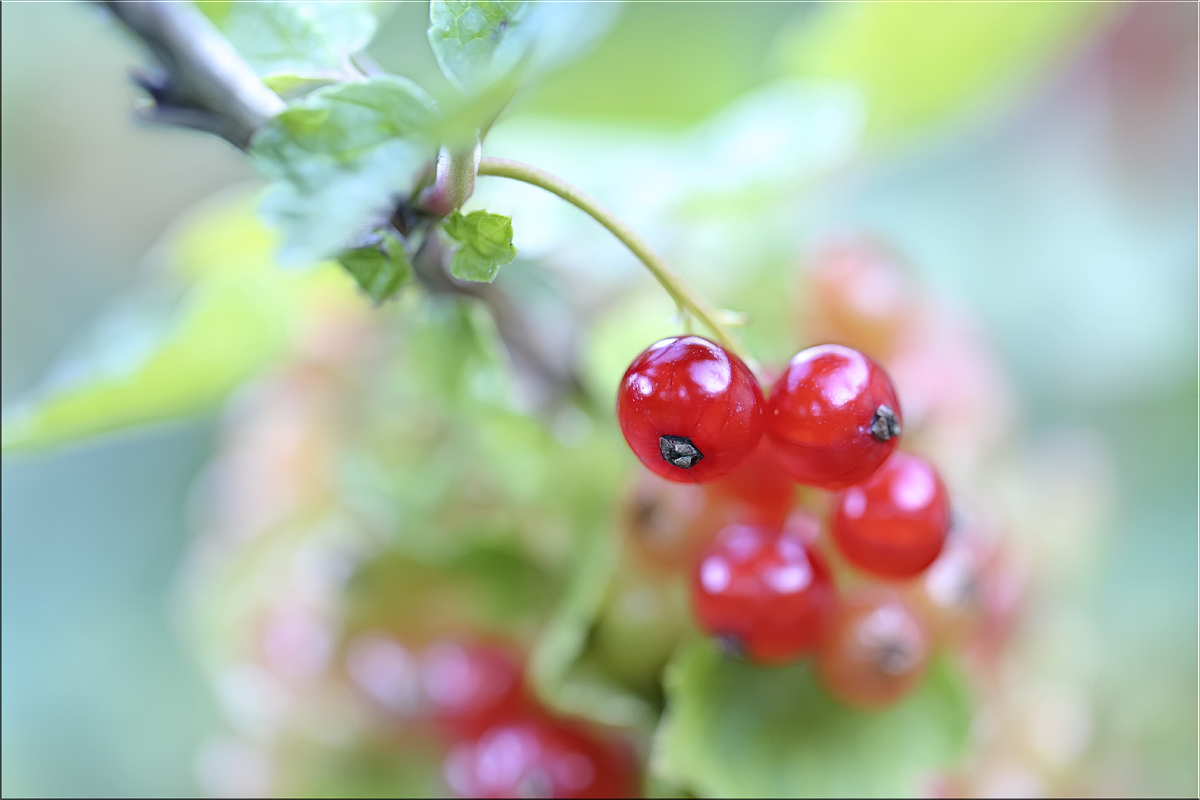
[[683, 295]]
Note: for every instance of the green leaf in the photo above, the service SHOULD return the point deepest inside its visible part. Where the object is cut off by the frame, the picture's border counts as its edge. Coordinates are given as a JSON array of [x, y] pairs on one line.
[[166, 357], [736, 730], [380, 269], [918, 63], [341, 157], [294, 36], [486, 245], [290, 86], [479, 42], [341, 122]]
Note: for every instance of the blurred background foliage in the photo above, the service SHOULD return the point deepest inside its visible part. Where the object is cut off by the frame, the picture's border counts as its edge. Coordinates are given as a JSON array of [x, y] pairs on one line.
[[1036, 162]]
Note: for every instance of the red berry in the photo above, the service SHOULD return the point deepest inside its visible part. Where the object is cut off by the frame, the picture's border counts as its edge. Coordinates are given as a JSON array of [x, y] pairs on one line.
[[470, 687], [663, 522], [763, 592], [833, 417], [667, 524], [535, 756], [388, 673], [862, 295], [950, 594], [690, 410], [759, 482], [876, 652], [895, 523]]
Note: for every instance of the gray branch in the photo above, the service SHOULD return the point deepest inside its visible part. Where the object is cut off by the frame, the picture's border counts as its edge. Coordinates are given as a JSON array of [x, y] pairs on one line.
[[203, 82]]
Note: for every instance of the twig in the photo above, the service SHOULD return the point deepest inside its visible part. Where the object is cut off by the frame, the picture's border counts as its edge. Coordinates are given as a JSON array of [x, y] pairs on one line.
[[203, 84]]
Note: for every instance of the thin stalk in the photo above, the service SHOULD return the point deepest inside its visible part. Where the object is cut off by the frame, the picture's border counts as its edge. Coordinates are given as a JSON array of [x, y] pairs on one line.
[[683, 295]]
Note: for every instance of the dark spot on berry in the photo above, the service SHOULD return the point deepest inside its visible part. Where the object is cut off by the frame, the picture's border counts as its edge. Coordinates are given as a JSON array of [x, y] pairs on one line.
[[680, 451], [645, 511], [884, 425], [896, 657], [730, 645]]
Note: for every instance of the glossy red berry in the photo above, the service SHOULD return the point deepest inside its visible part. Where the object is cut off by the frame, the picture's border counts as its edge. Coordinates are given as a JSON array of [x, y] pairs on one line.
[[763, 592], [833, 417], [468, 687], [690, 410], [536, 756], [895, 523], [876, 651]]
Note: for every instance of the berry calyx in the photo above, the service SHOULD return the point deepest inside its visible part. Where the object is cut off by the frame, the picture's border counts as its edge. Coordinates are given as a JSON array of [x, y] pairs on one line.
[[885, 425], [876, 652], [833, 417], [679, 450], [763, 593], [895, 523], [690, 410]]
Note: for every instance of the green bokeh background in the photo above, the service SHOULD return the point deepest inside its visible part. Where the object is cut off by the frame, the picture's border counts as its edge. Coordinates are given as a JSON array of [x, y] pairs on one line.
[[1038, 165]]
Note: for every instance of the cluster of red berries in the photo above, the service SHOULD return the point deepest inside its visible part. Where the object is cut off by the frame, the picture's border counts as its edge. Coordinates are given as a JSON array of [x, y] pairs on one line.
[[695, 413], [501, 742]]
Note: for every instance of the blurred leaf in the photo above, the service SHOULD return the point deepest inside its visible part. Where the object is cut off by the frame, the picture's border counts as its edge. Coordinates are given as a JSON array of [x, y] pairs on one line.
[[294, 36], [486, 245], [465, 116], [341, 122], [736, 730], [479, 42], [565, 678], [918, 63], [380, 269], [166, 359], [290, 86], [341, 157], [481, 586], [372, 768]]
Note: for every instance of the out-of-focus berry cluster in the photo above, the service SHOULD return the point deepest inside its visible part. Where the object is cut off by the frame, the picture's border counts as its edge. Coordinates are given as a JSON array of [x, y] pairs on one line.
[[384, 546]]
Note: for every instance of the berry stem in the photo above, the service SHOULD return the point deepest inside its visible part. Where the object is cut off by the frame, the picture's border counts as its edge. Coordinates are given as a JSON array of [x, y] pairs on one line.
[[683, 295]]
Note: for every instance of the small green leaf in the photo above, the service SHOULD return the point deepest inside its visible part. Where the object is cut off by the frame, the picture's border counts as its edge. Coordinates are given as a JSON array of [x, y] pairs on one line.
[[341, 157], [381, 268], [736, 730], [479, 42], [486, 241], [294, 36]]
